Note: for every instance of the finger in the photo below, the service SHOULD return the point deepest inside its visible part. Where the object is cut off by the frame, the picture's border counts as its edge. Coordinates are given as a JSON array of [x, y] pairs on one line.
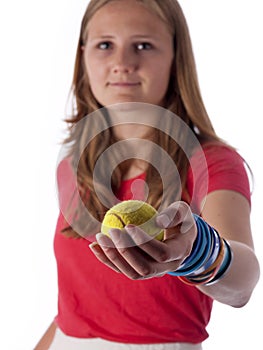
[[98, 252], [178, 213], [159, 251], [142, 263], [173, 215], [120, 239], [134, 263], [114, 256]]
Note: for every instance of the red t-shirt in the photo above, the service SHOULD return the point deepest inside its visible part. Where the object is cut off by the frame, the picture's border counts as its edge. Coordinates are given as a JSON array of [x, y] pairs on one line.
[[95, 301]]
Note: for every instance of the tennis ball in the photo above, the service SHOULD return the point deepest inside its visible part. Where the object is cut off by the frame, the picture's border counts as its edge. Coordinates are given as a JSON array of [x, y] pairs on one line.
[[133, 212]]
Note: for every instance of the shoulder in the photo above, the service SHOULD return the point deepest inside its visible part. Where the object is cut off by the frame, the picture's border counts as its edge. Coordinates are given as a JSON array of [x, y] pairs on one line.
[[216, 158], [215, 152], [219, 151], [217, 166]]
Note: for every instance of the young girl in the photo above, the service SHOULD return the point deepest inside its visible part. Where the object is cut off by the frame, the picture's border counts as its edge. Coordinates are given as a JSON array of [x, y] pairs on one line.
[[139, 130]]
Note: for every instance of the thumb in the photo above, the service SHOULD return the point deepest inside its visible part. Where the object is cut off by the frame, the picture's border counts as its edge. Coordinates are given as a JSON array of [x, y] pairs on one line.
[[178, 213]]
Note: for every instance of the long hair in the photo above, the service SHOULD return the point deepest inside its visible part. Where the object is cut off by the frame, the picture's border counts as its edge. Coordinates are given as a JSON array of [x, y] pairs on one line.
[[183, 98]]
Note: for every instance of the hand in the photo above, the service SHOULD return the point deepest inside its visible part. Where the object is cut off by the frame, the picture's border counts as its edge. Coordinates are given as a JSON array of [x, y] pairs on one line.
[[138, 256]]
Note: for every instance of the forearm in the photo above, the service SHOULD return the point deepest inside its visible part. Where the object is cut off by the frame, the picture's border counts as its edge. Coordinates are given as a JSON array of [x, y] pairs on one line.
[[47, 338], [235, 288], [198, 255]]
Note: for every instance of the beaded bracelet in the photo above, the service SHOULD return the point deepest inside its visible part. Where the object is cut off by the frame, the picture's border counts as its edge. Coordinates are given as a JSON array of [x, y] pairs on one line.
[[209, 260]]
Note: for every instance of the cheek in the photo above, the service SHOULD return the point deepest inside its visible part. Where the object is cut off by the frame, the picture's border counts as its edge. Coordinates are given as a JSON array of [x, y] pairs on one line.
[[167, 69], [96, 81], [162, 73], [94, 73]]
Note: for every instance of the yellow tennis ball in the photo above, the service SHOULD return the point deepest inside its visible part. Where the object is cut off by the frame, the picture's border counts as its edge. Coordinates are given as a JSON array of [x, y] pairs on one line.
[[133, 212]]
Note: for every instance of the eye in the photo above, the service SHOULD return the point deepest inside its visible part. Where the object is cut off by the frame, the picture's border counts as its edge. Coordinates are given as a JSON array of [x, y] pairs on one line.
[[143, 46], [104, 45]]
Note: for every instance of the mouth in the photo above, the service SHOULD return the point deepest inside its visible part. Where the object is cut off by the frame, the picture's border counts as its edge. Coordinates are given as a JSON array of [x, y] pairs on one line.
[[124, 84]]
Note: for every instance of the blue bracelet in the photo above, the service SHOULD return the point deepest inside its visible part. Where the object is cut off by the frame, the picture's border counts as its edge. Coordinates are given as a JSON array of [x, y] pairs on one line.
[[201, 242], [215, 248], [205, 265], [201, 252]]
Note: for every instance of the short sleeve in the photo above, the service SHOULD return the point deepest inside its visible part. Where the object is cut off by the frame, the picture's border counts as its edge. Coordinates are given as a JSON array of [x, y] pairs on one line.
[[216, 167]]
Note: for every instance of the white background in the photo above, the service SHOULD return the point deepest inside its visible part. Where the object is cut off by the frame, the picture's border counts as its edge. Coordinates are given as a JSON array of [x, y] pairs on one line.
[[38, 41]]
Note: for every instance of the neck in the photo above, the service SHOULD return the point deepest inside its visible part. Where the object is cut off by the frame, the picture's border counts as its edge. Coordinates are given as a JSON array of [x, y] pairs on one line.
[[132, 168], [134, 120]]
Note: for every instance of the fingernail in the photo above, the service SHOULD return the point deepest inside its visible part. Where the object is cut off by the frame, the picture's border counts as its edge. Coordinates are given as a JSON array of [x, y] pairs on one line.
[[100, 236], [163, 220], [93, 246], [130, 227], [104, 240], [114, 233]]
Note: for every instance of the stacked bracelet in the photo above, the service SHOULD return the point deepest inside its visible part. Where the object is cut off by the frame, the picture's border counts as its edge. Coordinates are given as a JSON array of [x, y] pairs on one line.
[[209, 260]]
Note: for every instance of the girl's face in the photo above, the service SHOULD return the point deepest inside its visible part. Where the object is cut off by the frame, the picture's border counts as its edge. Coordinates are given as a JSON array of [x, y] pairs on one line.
[[128, 54]]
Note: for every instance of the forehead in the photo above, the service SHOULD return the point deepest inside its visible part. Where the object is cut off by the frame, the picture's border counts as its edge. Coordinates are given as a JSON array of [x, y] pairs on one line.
[[127, 15]]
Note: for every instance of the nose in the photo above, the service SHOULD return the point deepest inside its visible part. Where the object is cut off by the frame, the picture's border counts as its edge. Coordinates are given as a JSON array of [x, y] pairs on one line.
[[124, 61]]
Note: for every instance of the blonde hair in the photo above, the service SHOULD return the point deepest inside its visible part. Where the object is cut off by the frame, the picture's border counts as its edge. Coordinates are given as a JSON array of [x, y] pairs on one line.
[[183, 98]]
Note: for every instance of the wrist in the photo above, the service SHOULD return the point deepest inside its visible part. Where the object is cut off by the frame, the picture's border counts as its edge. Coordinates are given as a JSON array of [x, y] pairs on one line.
[[209, 260]]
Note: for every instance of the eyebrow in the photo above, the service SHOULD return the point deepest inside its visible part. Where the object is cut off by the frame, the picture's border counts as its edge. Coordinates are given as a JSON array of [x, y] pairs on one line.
[[136, 36]]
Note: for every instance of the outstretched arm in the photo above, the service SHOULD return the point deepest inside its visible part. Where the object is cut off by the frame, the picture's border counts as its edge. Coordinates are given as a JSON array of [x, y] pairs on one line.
[[229, 213], [139, 258]]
